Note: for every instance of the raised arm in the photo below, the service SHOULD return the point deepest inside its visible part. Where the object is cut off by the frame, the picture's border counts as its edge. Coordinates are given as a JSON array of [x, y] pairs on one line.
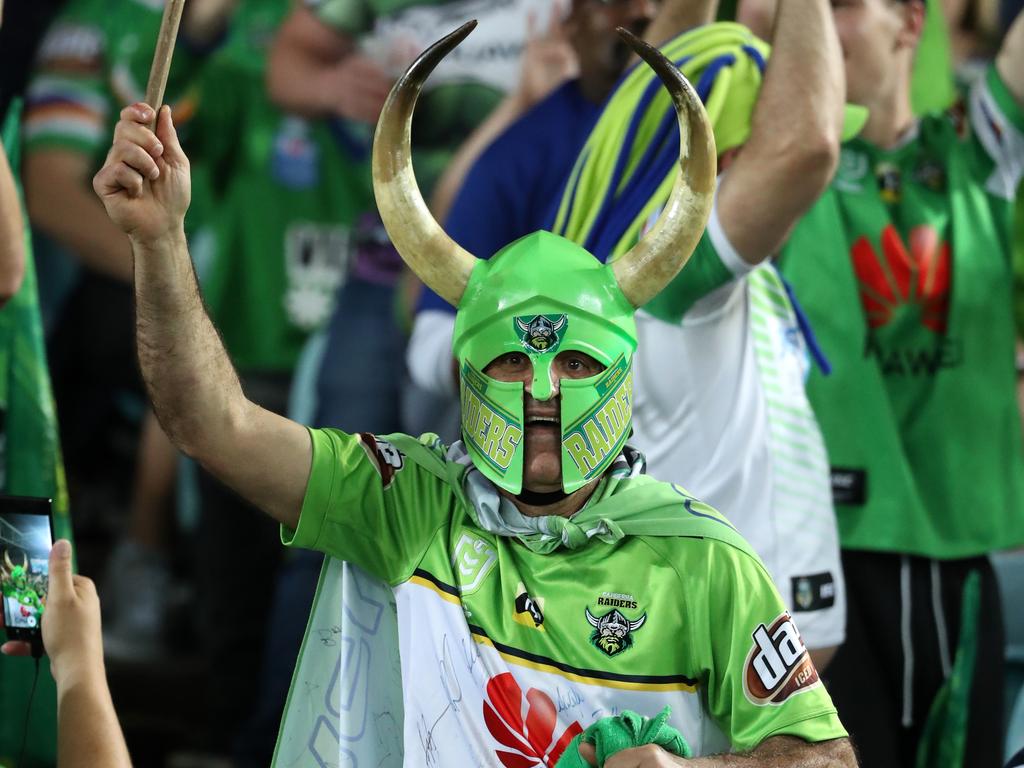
[[88, 733], [794, 141], [317, 71], [12, 234], [1010, 61], [145, 188]]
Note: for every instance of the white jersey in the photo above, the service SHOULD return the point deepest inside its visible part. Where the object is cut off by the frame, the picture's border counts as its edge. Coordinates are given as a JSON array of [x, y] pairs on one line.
[[719, 406]]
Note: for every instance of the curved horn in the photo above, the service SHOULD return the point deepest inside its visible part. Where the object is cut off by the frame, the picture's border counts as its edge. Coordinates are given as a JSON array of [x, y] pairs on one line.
[[436, 259], [649, 265], [635, 625], [558, 324], [524, 327], [591, 618], [7, 560]]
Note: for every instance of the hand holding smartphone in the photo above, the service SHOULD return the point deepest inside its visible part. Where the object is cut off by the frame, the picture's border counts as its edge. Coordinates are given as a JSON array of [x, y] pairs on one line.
[[26, 537]]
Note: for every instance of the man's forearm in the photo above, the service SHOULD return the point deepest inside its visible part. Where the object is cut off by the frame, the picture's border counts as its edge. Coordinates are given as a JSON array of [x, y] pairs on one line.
[[193, 387], [793, 147], [88, 731], [786, 752], [800, 107], [12, 234]]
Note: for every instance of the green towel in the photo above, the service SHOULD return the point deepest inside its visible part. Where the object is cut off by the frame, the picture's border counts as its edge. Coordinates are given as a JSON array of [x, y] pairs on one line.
[[614, 734]]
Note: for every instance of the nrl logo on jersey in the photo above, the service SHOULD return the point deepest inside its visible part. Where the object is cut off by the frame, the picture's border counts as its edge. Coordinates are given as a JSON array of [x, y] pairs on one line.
[[778, 665], [613, 632], [541, 333], [473, 559]]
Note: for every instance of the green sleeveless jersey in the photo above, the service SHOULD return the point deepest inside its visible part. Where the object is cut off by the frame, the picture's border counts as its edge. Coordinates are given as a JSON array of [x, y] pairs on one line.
[[285, 194], [512, 644], [904, 269]]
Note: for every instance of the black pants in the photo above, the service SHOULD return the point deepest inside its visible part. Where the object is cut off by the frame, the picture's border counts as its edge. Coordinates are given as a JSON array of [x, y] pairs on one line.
[[238, 553], [903, 624]]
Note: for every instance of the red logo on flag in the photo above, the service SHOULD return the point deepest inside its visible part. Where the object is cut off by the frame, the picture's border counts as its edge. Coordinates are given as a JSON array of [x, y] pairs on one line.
[[920, 276], [533, 738]]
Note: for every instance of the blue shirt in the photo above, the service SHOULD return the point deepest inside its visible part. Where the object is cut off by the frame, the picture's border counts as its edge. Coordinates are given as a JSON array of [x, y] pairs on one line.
[[514, 186]]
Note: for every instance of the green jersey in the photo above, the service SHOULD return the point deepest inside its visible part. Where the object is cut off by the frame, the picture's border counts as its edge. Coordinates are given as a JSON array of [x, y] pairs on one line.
[[93, 61], [285, 194], [904, 269], [516, 633], [466, 86]]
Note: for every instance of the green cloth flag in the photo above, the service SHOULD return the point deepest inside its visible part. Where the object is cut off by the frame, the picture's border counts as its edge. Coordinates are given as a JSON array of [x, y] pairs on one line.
[[32, 466], [944, 740], [611, 735]]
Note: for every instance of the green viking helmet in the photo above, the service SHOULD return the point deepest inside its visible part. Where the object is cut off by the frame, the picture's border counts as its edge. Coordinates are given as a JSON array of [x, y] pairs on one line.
[[543, 294]]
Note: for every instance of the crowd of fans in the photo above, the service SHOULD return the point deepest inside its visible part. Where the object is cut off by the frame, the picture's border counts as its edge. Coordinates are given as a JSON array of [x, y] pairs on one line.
[[525, 129]]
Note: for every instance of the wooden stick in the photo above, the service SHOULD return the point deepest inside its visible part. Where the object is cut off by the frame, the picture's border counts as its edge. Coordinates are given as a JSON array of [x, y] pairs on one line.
[[162, 55], [1, 13]]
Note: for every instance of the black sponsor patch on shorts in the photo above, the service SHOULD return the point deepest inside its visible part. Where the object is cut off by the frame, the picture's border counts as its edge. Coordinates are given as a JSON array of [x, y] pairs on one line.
[[849, 486], [813, 592]]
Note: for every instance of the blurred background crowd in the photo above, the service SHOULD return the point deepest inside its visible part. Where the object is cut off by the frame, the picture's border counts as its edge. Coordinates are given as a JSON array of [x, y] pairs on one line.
[[203, 609]]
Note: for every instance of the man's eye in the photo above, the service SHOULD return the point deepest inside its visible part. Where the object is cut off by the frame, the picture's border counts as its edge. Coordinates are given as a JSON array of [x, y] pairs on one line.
[[578, 365], [511, 362]]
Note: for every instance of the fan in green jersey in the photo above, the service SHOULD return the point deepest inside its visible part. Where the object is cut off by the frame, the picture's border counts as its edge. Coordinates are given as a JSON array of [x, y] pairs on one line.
[[495, 589]]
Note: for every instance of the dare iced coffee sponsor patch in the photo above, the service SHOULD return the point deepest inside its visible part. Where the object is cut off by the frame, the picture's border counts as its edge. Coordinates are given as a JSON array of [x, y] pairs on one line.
[[778, 665]]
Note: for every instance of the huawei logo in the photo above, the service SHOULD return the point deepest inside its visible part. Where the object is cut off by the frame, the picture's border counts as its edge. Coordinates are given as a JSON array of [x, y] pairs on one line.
[[920, 276], [532, 740]]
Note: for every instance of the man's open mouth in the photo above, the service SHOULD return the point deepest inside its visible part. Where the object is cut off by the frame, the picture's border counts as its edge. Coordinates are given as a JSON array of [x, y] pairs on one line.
[[543, 421]]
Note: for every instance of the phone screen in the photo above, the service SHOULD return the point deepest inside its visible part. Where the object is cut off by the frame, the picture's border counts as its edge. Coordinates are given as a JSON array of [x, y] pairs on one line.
[[26, 537]]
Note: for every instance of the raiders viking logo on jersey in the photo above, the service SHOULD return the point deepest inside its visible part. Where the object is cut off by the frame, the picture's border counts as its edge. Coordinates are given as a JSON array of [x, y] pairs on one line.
[[613, 632]]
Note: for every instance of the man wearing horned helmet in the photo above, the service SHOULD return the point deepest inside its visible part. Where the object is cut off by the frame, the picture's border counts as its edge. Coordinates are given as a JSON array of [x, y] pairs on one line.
[[503, 549], [23, 603]]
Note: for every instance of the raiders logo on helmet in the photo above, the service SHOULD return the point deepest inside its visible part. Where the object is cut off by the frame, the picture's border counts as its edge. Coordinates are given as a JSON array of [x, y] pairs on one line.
[[540, 333], [778, 665]]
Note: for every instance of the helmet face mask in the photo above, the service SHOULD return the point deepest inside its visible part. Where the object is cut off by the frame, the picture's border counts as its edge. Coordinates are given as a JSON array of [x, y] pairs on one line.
[[539, 297]]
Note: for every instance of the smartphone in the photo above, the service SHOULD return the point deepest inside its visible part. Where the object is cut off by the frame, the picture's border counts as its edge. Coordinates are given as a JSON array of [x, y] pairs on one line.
[[26, 537]]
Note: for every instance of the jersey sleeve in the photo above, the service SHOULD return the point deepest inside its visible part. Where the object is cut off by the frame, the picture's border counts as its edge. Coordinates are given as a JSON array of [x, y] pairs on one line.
[[714, 263], [761, 681], [67, 103], [997, 130], [367, 503]]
